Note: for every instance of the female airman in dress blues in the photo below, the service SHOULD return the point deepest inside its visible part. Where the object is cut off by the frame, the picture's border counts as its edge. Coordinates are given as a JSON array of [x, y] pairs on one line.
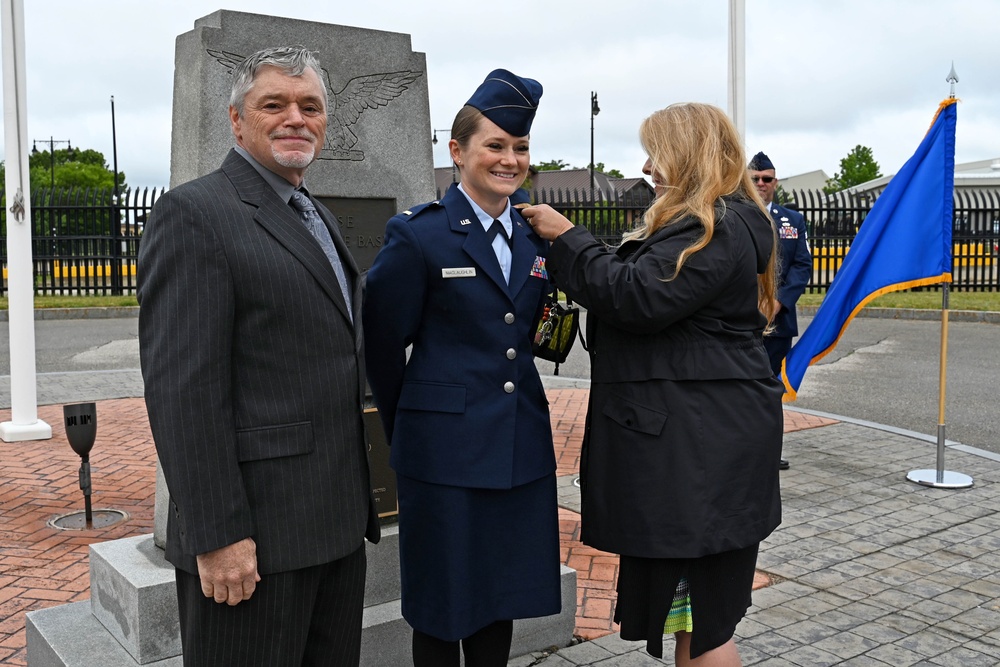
[[461, 283]]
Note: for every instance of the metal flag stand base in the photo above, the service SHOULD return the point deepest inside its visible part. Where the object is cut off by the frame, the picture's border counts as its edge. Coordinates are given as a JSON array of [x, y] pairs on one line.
[[941, 478]]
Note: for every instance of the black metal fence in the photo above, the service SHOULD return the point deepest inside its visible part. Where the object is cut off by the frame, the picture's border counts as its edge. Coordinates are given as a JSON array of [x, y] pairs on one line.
[[86, 241], [83, 240], [833, 220], [607, 219]]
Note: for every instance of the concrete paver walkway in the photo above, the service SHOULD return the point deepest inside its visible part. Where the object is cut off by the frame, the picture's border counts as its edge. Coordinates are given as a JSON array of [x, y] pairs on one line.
[[866, 568]]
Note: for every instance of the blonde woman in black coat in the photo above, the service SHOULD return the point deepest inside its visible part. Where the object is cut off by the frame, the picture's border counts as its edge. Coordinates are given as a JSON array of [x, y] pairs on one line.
[[680, 461]]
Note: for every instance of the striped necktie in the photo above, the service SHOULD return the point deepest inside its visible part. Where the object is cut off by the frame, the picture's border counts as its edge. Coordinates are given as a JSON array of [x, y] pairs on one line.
[[314, 223]]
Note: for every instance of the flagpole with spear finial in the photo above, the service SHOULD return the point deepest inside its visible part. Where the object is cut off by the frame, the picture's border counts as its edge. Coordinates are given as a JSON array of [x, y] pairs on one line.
[[941, 478]]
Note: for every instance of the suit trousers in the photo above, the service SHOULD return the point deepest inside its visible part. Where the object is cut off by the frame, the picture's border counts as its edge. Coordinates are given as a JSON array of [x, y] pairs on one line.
[[309, 617], [777, 348]]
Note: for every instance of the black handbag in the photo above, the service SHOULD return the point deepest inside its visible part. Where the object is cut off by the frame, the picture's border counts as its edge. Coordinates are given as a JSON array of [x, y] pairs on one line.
[[556, 331]]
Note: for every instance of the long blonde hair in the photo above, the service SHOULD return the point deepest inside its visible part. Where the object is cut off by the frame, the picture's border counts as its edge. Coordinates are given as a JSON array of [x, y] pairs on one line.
[[698, 156]]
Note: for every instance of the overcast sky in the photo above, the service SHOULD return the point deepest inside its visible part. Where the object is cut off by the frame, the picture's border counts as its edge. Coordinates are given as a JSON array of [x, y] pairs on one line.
[[821, 76]]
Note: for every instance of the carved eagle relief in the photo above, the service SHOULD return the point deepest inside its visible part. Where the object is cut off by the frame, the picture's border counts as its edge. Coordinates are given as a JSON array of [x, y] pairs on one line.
[[368, 91]]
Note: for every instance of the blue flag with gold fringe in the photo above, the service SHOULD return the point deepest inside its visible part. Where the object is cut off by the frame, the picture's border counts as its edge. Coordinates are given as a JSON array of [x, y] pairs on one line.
[[904, 242]]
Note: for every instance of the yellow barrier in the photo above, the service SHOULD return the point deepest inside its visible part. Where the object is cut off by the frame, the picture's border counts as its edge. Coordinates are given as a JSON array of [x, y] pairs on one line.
[[973, 254], [90, 270], [825, 259], [965, 254]]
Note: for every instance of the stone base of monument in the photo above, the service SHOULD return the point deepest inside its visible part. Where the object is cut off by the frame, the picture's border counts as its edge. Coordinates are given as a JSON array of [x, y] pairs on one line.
[[70, 635], [386, 637], [131, 618]]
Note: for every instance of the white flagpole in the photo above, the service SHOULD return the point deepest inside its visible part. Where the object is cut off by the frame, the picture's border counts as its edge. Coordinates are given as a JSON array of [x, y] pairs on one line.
[[24, 424], [737, 66]]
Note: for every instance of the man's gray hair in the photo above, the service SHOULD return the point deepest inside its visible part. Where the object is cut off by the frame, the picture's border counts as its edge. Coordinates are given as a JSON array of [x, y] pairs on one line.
[[292, 60]]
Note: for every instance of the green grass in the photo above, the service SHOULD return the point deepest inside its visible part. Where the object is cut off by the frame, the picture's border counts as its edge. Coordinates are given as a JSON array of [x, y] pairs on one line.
[[919, 300], [78, 301], [988, 301]]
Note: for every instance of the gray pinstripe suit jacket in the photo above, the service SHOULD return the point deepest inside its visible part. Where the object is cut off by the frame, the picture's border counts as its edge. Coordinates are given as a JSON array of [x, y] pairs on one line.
[[254, 376]]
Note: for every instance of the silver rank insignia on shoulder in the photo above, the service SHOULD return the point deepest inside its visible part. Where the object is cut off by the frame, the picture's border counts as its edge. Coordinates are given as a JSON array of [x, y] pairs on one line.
[[465, 221], [407, 212]]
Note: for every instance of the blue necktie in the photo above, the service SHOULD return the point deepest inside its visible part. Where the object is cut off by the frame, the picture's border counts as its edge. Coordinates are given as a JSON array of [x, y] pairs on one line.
[[498, 228], [503, 254], [314, 223]]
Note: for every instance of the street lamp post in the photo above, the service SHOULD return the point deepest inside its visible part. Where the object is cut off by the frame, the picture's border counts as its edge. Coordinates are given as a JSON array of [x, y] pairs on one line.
[[52, 155], [53, 229], [594, 110], [454, 170], [116, 223], [114, 146]]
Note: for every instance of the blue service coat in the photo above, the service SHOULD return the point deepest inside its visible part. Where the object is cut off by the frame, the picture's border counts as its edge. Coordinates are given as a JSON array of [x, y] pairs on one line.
[[794, 267], [467, 408]]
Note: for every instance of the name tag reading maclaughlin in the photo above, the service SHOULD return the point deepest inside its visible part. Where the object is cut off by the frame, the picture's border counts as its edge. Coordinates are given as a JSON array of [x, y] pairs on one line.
[[459, 272]]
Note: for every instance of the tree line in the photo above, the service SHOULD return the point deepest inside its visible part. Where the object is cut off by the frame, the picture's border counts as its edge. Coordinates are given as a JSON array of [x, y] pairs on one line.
[[859, 166], [87, 168], [69, 168]]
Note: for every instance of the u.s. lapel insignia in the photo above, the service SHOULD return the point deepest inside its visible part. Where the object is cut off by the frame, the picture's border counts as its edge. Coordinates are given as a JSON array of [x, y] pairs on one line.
[[465, 221]]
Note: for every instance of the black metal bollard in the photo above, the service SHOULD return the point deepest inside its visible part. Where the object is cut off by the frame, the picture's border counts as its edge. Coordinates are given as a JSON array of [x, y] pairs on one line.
[[81, 431]]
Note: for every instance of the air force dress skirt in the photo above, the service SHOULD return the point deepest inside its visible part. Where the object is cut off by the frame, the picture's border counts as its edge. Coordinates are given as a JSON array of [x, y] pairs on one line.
[[469, 557]]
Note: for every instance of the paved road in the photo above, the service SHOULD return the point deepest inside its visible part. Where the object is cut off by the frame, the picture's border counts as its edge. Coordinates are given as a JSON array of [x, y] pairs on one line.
[[79, 360], [79, 345], [883, 371], [888, 371]]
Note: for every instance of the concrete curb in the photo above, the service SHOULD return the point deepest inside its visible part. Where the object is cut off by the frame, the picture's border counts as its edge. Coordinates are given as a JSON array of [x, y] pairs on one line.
[[989, 317], [80, 313]]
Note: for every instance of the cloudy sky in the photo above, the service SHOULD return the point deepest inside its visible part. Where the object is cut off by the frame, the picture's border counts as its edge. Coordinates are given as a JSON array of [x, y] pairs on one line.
[[821, 76]]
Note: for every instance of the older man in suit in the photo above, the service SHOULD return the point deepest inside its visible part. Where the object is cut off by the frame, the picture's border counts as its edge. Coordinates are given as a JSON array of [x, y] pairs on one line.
[[252, 358], [794, 265]]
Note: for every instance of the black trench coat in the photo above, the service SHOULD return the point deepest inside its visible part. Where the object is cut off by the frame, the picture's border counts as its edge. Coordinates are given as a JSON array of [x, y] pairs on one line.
[[684, 425]]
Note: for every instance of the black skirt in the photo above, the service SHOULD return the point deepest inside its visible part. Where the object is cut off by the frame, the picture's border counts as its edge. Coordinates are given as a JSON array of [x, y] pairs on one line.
[[720, 595]]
